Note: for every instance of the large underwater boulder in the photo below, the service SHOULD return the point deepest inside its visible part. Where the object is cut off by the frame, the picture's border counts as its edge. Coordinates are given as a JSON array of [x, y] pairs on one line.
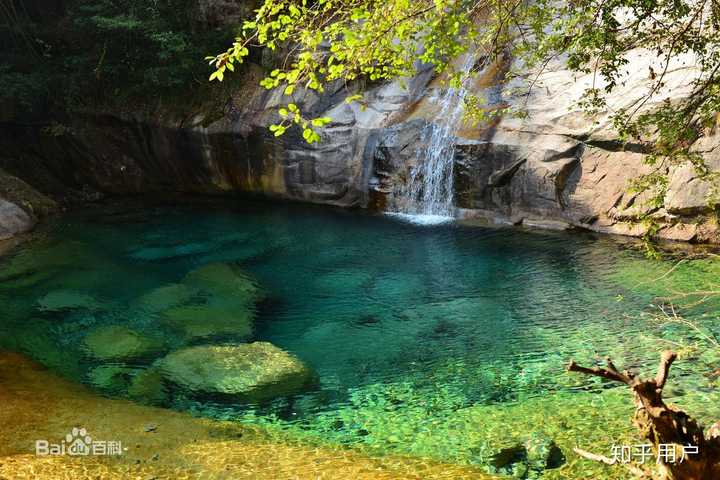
[[115, 342], [250, 372]]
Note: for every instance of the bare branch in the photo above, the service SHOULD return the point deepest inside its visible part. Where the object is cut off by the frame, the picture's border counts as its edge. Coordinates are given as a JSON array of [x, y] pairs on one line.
[[613, 375], [595, 457], [638, 472], [667, 359]]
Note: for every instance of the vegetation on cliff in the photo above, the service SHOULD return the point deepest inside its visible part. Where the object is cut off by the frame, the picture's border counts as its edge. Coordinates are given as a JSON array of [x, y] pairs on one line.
[[350, 41]]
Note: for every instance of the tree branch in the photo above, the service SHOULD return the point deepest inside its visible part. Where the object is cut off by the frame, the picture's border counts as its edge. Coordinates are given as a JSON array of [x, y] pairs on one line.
[[610, 374], [666, 361]]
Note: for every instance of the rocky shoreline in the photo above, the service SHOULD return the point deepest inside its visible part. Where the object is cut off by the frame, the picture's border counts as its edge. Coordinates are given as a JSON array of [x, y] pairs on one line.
[[554, 168]]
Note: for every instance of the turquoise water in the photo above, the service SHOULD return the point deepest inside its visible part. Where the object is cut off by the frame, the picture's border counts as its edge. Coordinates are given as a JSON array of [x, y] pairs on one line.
[[389, 315]]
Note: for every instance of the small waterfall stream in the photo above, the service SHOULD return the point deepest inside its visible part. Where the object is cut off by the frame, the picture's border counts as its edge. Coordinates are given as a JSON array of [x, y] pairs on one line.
[[427, 196]]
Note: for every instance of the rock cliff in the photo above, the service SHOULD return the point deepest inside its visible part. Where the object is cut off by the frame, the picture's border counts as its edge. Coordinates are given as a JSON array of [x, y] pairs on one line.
[[556, 168]]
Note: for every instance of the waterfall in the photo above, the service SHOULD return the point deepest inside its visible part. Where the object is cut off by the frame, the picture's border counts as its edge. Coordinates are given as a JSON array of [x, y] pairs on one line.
[[427, 196]]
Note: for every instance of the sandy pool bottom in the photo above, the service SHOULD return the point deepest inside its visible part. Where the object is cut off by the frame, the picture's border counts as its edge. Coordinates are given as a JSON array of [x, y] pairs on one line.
[[35, 404]]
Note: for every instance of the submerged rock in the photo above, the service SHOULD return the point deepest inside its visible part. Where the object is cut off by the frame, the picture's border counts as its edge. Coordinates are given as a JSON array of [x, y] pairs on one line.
[[224, 280], [67, 300], [50, 260], [114, 378], [201, 321], [147, 387], [250, 372], [153, 253], [543, 453], [528, 459], [166, 297], [119, 343]]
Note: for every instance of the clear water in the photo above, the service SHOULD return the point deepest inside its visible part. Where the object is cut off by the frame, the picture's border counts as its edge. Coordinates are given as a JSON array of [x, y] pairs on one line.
[[391, 316]]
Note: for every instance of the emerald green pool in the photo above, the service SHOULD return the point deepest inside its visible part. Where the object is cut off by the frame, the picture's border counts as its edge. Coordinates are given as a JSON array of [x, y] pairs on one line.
[[415, 333]]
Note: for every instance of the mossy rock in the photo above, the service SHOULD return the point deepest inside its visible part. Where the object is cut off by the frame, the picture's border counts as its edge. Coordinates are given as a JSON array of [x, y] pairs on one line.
[[113, 378], [116, 342], [147, 387], [252, 372], [223, 280], [21, 193], [165, 297], [217, 319], [67, 300]]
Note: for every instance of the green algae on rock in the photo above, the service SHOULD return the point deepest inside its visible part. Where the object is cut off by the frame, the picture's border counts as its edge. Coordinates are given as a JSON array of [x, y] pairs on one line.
[[166, 297], [147, 387], [113, 378], [222, 279], [251, 372], [115, 342]]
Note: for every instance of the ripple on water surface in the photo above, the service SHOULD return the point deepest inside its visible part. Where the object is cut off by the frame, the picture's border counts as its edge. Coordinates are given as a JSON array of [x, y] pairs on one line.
[[384, 334]]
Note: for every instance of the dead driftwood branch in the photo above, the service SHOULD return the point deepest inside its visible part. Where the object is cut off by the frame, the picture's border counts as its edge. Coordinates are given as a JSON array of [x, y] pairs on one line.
[[635, 470], [662, 425]]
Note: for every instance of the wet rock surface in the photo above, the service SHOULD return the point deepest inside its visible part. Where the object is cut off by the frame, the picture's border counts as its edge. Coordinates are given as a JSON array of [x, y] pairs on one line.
[[251, 372], [13, 220]]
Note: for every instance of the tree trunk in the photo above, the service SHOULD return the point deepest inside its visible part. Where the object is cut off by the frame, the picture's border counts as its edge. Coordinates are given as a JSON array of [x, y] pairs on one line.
[[670, 430]]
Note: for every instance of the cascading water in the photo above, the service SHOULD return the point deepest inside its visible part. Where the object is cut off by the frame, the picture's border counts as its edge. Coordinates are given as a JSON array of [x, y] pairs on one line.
[[427, 196]]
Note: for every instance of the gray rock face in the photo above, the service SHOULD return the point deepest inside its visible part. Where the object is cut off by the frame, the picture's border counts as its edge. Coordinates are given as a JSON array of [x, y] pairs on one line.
[[559, 169], [555, 168], [13, 220], [687, 194]]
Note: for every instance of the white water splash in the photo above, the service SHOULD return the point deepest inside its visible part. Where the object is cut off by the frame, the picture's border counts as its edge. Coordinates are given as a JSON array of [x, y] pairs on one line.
[[421, 219], [428, 193]]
